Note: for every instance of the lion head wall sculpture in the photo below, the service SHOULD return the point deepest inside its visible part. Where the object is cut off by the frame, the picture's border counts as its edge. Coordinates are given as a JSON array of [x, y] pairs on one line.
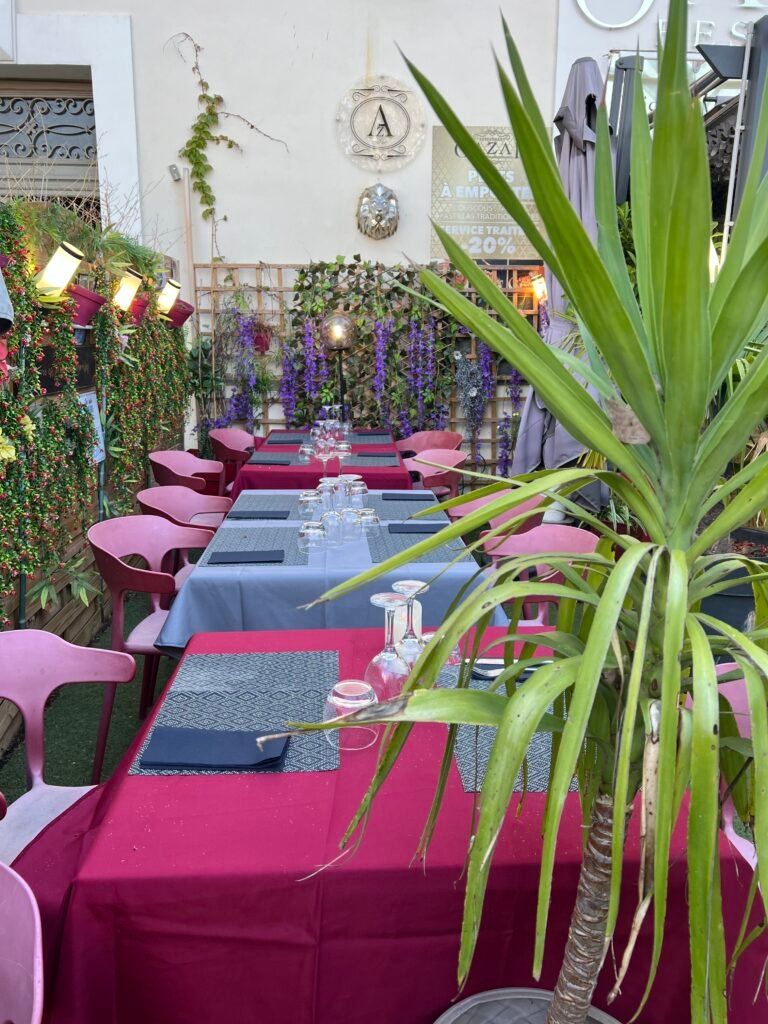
[[378, 212]]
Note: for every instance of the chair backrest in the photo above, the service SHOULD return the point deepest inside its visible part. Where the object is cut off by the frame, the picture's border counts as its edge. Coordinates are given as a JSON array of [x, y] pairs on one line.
[[34, 663], [21, 951], [525, 506], [735, 692], [153, 539], [180, 504], [231, 444], [430, 475], [549, 538], [424, 440], [186, 470]]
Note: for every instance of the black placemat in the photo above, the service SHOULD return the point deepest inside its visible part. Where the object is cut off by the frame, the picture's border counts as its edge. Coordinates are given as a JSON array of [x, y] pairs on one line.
[[253, 692]]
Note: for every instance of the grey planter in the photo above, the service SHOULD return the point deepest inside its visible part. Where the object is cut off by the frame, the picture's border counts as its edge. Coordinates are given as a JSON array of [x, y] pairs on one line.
[[509, 1006]]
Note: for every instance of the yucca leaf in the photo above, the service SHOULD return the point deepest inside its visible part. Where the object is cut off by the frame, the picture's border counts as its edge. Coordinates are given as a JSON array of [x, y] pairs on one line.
[[624, 747], [703, 818], [675, 610], [590, 669], [741, 316], [640, 179], [522, 715], [524, 88], [750, 499]]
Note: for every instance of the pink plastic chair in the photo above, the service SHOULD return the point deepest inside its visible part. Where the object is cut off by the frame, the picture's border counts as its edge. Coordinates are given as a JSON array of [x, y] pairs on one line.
[[21, 952], [233, 447], [549, 538], [155, 540], [444, 483], [424, 440], [184, 507], [34, 663], [186, 470], [460, 511]]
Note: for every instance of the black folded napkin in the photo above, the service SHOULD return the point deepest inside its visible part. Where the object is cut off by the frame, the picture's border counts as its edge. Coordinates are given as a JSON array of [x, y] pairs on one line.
[[371, 455], [243, 513], [281, 440], [371, 434], [246, 557], [212, 748], [415, 527], [269, 460], [409, 496]]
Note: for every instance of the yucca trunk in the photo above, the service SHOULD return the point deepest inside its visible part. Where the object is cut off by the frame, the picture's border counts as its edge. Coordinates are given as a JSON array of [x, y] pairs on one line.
[[586, 936]]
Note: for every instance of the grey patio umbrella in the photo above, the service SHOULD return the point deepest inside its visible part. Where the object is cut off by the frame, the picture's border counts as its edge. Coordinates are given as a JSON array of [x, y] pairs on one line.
[[541, 441]]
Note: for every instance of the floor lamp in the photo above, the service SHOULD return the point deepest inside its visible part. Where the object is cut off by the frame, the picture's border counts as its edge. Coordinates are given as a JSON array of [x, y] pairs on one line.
[[338, 334]]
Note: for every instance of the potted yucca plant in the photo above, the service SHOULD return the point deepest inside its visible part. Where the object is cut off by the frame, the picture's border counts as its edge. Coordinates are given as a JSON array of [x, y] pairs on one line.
[[634, 655]]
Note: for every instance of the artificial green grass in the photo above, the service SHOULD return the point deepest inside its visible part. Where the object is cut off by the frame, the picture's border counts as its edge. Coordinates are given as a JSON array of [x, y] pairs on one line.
[[72, 721]]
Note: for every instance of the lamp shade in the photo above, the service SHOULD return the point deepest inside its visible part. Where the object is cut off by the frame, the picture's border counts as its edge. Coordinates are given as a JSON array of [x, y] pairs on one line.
[[539, 286], [130, 283], [59, 270], [168, 295], [338, 332]]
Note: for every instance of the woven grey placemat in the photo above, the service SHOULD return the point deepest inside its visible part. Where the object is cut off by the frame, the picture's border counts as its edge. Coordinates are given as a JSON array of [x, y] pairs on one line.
[[294, 436], [252, 692], [257, 538], [359, 438], [273, 457], [397, 511], [371, 460], [473, 749], [259, 501], [384, 545]]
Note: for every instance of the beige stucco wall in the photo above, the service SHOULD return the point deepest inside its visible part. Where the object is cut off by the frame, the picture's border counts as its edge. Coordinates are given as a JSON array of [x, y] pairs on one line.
[[285, 66]]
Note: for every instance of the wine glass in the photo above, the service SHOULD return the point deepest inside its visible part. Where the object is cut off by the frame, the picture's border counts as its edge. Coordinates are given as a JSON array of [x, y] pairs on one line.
[[324, 451], [387, 672], [450, 674], [410, 647], [348, 696], [343, 451]]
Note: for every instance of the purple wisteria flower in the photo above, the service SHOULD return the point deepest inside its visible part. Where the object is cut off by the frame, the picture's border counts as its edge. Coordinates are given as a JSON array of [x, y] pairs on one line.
[[383, 333], [515, 389], [543, 318], [288, 387], [310, 360], [485, 358]]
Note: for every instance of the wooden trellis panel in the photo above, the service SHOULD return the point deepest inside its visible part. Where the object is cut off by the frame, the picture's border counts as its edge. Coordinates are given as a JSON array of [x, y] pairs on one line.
[[269, 289]]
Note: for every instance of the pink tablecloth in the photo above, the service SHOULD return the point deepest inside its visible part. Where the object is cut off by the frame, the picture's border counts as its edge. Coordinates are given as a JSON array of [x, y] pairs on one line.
[[171, 900], [378, 478]]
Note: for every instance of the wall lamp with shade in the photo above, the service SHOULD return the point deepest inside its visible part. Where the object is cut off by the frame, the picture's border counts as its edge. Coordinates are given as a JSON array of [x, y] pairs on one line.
[[168, 295], [338, 334], [59, 270], [130, 283], [539, 286]]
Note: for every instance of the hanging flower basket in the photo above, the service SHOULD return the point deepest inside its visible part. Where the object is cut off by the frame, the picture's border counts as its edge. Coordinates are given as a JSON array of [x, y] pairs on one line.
[[87, 304], [180, 312]]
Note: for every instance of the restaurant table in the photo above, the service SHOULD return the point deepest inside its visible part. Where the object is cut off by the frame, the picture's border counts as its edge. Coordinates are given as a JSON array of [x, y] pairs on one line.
[[171, 899], [369, 460], [224, 598]]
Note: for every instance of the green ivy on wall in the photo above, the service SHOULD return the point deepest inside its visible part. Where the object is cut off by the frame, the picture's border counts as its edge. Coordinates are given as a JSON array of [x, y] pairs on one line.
[[399, 371]]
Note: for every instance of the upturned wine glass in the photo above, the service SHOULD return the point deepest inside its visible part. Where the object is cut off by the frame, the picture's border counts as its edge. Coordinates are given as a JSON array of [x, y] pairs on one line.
[[387, 672], [410, 646]]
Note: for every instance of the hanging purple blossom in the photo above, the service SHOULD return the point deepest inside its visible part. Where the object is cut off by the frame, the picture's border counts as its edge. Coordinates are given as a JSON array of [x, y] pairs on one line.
[[310, 360], [515, 389], [288, 387], [485, 358], [405, 425]]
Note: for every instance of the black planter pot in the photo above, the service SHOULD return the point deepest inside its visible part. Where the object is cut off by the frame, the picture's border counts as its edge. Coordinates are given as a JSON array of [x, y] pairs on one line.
[[735, 605]]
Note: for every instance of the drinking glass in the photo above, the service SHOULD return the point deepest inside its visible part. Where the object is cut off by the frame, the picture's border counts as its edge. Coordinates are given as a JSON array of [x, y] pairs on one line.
[[454, 658], [352, 528], [387, 672], [306, 453], [358, 493], [326, 488], [369, 517], [411, 646], [334, 529], [324, 451], [311, 537], [310, 502], [348, 696]]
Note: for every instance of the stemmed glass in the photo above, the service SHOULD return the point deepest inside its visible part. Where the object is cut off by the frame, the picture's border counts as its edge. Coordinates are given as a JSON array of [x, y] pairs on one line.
[[387, 672], [343, 451], [324, 451], [410, 647]]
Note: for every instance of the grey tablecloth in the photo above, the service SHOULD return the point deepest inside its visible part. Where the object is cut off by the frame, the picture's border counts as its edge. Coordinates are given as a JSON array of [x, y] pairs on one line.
[[229, 598], [389, 510]]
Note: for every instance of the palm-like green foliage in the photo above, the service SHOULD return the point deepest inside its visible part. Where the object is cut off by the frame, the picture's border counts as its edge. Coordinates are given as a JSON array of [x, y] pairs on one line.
[[631, 640]]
